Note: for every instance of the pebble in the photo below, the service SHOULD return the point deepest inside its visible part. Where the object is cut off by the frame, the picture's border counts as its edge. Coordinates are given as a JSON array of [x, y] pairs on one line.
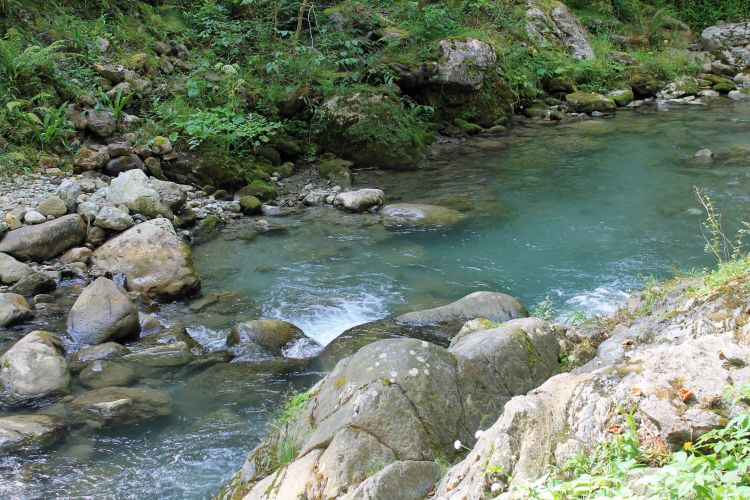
[[33, 217]]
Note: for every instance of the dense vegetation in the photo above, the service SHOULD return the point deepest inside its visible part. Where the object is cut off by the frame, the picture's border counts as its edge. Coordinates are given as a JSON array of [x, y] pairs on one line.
[[261, 55]]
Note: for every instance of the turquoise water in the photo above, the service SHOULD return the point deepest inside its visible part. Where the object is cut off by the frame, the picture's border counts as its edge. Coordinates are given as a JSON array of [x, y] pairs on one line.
[[574, 213]]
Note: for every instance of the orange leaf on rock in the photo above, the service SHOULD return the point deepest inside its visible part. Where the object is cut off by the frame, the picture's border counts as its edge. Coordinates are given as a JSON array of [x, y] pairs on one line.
[[636, 391], [615, 429], [721, 355], [628, 342], [685, 394]]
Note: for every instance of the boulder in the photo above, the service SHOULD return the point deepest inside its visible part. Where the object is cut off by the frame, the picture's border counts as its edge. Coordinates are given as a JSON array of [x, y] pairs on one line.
[[201, 169], [115, 74], [101, 123], [552, 23], [101, 373], [90, 159], [406, 480], [622, 97], [361, 200], [119, 406], [45, 241], [250, 205], [268, 338], [464, 62], [730, 43], [80, 254], [416, 215], [152, 258], [11, 270], [13, 309], [68, 192], [133, 189], [29, 432], [396, 401], [33, 371], [336, 170], [493, 306], [102, 313], [107, 351], [585, 102], [171, 193], [52, 206], [113, 218], [121, 164], [33, 284]]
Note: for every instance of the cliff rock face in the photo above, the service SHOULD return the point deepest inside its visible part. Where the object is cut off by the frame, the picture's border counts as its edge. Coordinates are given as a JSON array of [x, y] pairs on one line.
[[552, 22], [671, 364]]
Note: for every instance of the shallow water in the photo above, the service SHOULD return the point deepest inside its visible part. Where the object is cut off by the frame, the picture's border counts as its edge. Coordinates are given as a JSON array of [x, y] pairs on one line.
[[575, 213]]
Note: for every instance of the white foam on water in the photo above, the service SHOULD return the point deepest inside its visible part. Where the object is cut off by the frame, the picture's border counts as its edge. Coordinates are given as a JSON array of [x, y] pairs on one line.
[[601, 301], [327, 318]]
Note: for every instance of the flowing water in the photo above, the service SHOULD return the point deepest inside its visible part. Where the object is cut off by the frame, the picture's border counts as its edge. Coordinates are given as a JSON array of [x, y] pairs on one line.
[[579, 213]]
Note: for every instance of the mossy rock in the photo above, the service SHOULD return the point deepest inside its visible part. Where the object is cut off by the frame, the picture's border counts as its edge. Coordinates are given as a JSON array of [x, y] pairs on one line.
[[138, 62], [250, 205], [270, 154], [288, 148], [687, 85], [559, 86], [372, 128], [208, 227], [643, 86], [715, 79], [335, 170], [536, 110], [260, 189], [467, 127], [585, 102], [725, 87], [201, 169], [622, 97]]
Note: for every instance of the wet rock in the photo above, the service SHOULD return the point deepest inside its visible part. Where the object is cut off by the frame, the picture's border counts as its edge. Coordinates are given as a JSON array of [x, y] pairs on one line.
[[13, 309], [101, 314], [490, 305], [268, 338], [250, 205], [361, 200], [121, 164], [33, 284], [704, 153], [33, 371], [108, 351], [11, 270], [99, 374], [119, 406], [52, 205], [46, 240], [155, 359], [80, 254], [113, 218], [420, 216], [29, 432], [133, 189]]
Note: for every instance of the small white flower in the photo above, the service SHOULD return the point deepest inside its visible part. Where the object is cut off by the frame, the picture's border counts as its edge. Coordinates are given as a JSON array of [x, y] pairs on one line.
[[414, 372], [457, 445], [495, 487], [478, 434]]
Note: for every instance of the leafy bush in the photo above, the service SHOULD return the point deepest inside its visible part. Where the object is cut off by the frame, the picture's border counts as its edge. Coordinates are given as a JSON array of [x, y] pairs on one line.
[[700, 14], [19, 67]]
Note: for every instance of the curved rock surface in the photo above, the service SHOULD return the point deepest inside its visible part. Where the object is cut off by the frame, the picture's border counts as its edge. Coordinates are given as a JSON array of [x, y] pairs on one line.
[[493, 306], [119, 406], [13, 309], [401, 400], [101, 314], [46, 240], [28, 432], [153, 260], [33, 371], [416, 215], [682, 344]]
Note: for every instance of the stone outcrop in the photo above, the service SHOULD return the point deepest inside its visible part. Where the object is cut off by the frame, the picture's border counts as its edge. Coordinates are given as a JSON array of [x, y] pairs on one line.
[[44, 241], [671, 364], [401, 402], [33, 371], [152, 258], [730, 43], [552, 22], [101, 314]]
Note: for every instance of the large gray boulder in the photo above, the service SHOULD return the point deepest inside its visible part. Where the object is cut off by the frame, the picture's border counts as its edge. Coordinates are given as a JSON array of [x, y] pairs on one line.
[[406, 480], [12, 271], [102, 313], [551, 22], [361, 200], [45, 241], [464, 62], [33, 371], [493, 306], [28, 432], [401, 400], [119, 406], [730, 43], [670, 365], [133, 189], [13, 309], [153, 259]]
